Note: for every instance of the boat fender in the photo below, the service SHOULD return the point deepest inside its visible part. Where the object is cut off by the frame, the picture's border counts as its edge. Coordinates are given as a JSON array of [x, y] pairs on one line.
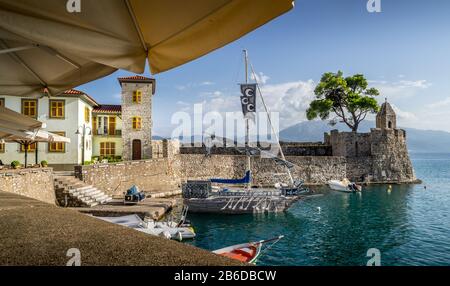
[[179, 236], [165, 234]]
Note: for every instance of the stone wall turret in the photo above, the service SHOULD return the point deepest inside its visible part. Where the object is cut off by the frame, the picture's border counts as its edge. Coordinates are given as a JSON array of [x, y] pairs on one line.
[[386, 118]]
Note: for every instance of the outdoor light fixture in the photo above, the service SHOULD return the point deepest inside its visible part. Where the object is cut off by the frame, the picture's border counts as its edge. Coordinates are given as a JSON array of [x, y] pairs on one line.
[[86, 131]]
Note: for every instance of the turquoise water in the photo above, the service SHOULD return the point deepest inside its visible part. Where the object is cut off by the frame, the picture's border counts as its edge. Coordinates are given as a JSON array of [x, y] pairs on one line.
[[410, 225]]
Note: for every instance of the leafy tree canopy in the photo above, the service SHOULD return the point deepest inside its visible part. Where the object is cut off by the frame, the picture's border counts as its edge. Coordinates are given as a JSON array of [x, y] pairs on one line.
[[348, 100]]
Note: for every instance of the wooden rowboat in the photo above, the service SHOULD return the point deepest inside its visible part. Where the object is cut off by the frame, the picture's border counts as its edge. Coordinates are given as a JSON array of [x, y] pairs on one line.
[[246, 252]]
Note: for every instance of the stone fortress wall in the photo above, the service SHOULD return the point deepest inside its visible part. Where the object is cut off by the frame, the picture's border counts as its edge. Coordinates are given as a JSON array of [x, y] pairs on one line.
[[379, 156]]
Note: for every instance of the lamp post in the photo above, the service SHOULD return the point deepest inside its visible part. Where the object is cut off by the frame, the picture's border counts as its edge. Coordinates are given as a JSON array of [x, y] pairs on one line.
[[84, 130]]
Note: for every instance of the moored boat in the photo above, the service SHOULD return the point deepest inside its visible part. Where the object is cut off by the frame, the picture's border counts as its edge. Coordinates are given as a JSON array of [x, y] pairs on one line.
[[246, 252], [200, 197], [169, 230], [344, 186]]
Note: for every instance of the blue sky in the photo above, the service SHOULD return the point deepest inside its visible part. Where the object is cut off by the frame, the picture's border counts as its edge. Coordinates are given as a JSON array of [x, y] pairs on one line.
[[404, 51]]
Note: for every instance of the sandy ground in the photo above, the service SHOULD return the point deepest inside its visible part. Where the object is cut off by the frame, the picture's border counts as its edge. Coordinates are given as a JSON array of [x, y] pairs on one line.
[[36, 233]]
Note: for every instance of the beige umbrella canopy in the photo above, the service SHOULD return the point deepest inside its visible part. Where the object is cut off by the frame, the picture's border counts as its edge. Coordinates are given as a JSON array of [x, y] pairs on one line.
[[42, 44]]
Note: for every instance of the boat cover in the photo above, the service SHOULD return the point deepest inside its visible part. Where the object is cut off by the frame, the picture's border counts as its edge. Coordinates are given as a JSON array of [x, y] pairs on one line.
[[244, 180], [133, 221]]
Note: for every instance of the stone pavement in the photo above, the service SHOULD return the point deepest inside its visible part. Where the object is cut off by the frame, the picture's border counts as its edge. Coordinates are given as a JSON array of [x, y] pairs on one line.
[[36, 233]]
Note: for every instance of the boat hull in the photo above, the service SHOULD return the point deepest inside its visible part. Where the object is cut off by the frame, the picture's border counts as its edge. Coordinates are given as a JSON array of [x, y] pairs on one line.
[[341, 187], [239, 205], [247, 252]]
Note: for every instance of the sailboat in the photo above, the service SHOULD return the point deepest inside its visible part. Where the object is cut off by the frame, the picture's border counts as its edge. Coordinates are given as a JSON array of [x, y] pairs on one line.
[[201, 197]]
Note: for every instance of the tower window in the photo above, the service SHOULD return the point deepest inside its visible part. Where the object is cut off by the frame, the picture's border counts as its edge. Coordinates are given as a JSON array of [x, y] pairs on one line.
[[389, 124], [137, 96], [137, 123]]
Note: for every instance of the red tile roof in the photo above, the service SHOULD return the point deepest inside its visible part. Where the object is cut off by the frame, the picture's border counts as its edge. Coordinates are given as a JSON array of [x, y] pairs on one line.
[[107, 108], [73, 91], [135, 77], [139, 79], [81, 94]]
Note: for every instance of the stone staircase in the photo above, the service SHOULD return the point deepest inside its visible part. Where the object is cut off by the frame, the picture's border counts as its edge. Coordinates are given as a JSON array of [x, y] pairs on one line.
[[71, 192]]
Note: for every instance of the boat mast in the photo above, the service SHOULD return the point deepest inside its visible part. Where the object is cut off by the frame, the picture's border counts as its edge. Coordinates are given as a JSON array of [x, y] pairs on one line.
[[247, 150], [271, 125]]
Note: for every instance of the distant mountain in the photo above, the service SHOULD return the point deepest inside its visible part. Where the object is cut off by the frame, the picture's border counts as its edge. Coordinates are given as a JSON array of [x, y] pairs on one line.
[[157, 137], [419, 141]]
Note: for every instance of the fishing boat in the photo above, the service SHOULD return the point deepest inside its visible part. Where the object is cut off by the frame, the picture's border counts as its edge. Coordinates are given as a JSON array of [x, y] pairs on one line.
[[236, 196], [169, 230], [344, 186], [247, 252]]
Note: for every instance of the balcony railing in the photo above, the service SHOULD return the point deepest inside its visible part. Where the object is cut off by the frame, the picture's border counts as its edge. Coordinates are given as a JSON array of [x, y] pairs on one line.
[[103, 132]]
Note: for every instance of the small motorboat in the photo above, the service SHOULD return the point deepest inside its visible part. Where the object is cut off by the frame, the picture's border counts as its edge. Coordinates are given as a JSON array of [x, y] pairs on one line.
[[344, 186], [246, 252], [169, 230]]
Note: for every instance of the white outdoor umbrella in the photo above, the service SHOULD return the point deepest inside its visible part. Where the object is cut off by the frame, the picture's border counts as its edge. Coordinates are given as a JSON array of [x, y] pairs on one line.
[[16, 127], [43, 45]]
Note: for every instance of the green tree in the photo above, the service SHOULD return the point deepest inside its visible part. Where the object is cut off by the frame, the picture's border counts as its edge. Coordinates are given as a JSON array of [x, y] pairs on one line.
[[349, 99]]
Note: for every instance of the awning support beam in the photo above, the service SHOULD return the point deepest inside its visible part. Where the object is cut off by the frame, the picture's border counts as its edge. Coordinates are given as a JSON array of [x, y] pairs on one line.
[[136, 26]]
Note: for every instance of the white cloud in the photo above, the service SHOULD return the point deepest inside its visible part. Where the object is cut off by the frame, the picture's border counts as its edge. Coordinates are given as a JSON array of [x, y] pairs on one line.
[[193, 85], [403, 116], [399, 89], [260, 78], [290, 99], [442, 103]]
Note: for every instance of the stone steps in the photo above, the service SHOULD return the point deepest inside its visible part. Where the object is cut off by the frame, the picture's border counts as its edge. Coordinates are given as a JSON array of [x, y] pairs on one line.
[[76, 193]]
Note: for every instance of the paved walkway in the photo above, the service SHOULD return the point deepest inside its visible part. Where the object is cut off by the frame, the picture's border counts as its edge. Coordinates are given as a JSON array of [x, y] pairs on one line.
[[36, 233]]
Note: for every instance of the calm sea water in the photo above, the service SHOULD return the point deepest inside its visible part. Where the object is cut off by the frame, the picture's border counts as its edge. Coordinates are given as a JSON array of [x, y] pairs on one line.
[[410, 225]]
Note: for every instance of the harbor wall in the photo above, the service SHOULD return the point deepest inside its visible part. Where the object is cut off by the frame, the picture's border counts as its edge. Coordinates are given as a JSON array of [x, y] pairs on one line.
[[36, 183], [380, 156], [311, 169], [153, 175]]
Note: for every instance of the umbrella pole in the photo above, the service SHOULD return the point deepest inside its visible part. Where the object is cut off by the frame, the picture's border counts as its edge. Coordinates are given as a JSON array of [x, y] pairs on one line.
[[36, 153], [25, 146]]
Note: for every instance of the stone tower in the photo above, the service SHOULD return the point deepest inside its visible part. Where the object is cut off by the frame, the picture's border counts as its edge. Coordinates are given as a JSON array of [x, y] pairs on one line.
[[386, 118], [137, 93]]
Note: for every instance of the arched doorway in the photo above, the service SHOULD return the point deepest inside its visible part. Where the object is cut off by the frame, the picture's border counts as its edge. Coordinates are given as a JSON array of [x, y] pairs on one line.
[[137, 150]]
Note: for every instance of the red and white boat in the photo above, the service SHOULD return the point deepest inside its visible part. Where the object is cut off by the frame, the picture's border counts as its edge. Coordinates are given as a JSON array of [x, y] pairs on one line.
[[246, 252]]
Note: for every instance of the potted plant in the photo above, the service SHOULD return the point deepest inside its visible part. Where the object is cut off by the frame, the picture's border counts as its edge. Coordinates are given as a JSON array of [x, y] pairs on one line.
[[44, 164], [15, 164]]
